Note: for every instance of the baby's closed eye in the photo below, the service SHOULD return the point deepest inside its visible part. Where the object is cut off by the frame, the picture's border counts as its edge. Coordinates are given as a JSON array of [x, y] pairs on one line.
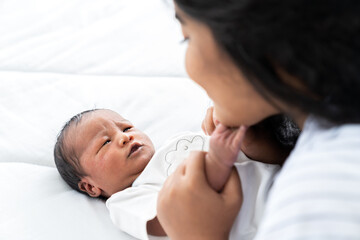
[[106, 142], [127, 129]]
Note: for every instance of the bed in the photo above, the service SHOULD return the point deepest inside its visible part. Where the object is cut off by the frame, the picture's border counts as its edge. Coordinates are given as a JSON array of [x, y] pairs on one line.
[[60, 57]]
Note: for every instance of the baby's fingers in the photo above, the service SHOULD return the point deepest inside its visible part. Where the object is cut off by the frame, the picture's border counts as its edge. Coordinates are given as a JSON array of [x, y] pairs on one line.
[[239, 137], [221, 129]]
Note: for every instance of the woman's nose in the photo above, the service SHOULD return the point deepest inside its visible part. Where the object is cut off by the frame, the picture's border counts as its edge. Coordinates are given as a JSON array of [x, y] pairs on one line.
[[125, 139]]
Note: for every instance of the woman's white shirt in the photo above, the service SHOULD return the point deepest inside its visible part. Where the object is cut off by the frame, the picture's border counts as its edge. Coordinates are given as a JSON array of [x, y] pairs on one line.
[[317, 193]]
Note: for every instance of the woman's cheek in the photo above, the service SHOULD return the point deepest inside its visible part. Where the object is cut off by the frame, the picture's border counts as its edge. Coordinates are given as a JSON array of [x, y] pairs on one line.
[[194, 65], [189, 63], [228, 116], [220, 115]]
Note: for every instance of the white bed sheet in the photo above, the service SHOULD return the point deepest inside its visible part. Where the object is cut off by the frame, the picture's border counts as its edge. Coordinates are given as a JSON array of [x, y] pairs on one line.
[[34, 107], [116, 37], [38, 206]]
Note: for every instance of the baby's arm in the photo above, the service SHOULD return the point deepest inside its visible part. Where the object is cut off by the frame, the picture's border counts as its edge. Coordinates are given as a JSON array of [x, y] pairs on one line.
[[224, 148]]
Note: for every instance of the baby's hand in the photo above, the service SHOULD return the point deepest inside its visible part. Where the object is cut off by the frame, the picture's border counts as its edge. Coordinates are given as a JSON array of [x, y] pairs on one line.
[[225, 144], [209, 123]]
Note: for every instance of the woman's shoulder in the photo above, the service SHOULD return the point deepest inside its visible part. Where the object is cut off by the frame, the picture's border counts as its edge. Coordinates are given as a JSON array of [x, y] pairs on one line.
[[329, 157], [317, 188], [318, 138]]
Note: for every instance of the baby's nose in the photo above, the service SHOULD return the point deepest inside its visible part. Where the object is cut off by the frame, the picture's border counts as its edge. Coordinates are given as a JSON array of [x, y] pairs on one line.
[[125, 139]]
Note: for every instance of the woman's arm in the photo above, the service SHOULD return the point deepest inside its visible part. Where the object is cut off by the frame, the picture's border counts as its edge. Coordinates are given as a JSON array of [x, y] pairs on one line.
[[188, 208]]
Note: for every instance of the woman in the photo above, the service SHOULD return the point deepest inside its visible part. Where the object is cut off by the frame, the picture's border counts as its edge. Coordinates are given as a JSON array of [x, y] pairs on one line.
[[257, 59]]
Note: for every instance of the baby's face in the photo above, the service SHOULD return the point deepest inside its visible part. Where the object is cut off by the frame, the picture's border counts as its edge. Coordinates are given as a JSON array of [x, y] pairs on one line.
[[112, 151]]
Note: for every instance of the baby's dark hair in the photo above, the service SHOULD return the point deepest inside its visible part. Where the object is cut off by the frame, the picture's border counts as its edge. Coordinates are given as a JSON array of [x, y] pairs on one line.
[[66, 159]]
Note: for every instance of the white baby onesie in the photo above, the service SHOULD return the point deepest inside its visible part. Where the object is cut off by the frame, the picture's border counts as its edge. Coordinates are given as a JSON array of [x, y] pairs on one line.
[[132, 208]]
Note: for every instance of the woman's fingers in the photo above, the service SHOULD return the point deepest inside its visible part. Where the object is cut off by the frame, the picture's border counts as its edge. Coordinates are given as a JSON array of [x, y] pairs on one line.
[[208, 125], [232, 191], [188, 208], [195, 166]]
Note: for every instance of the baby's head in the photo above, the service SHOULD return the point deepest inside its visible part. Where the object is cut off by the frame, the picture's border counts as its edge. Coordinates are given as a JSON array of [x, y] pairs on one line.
[[98, 152]]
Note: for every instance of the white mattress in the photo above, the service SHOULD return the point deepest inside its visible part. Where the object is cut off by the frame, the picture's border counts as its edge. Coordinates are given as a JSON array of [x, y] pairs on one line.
[[34, 107], [60, 57], [108, 37]]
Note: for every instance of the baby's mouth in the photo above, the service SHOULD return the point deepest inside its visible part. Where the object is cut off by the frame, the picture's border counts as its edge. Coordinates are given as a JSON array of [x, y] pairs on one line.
[[134, 148]]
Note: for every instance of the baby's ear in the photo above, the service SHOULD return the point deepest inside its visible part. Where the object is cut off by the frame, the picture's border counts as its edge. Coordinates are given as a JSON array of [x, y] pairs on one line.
[[90, 189]]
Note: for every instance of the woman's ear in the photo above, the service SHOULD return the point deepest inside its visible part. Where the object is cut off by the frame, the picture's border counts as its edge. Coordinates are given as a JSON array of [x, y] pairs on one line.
[[85, 186]]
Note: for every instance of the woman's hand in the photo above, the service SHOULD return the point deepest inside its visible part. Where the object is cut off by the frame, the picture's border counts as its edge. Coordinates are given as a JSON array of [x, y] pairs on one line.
[[210, 122], [260, 146], [271, 140], [189, 209], [259, 143]]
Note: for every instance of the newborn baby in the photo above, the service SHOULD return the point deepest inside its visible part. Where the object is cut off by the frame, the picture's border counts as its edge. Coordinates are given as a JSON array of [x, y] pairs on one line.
[[100, 153]]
